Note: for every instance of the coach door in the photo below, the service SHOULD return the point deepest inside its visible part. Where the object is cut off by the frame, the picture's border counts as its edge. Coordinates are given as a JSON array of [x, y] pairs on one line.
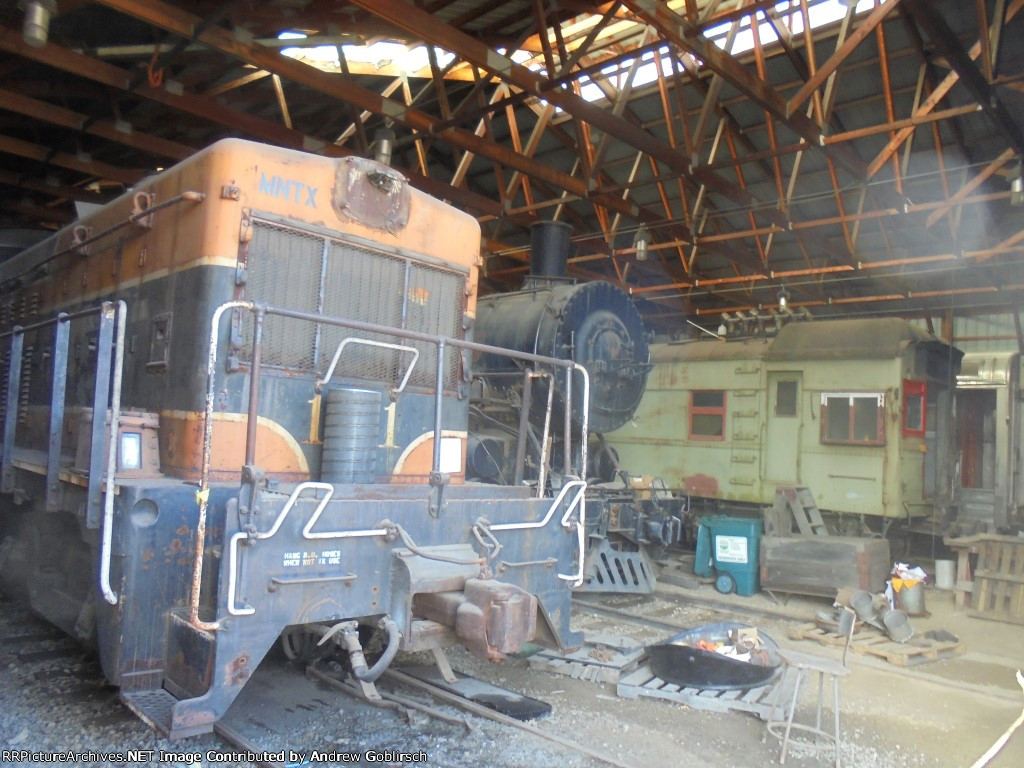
[[782, 432]]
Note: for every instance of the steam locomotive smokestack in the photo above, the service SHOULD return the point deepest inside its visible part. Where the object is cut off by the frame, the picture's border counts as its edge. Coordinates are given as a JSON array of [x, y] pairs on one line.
[[549, 248]]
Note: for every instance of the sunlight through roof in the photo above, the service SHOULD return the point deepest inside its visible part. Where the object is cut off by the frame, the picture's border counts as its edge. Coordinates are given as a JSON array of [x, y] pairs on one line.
[[414, 61]]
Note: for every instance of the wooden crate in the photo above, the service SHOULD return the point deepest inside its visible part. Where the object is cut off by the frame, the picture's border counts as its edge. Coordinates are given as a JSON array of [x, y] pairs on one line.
[[999, 579], [821, 565]]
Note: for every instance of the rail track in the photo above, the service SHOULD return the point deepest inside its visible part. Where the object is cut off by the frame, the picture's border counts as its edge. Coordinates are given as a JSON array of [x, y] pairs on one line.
[[285, 708]]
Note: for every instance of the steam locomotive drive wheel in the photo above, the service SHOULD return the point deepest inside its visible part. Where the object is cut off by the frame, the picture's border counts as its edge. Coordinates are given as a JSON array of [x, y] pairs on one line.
[[725, 583]]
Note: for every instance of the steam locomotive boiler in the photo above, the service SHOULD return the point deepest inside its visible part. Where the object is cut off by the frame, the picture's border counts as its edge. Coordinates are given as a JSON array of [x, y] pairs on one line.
[[235, 402], [596, 325]]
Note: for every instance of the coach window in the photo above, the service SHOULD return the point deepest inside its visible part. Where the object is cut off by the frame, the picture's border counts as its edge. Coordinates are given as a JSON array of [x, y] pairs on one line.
[[853, 418], [785, 398], [914, 393], [707, 415]]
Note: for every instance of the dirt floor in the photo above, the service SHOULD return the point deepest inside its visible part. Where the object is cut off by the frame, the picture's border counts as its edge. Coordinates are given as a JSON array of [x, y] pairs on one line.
[[937, 714], [941, 713]]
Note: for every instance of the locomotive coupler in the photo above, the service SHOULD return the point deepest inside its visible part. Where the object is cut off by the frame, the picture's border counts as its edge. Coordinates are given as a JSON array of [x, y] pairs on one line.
[[491, 618]]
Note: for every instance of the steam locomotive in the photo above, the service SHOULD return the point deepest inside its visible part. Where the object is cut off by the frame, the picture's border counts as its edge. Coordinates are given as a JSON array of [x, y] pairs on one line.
[[598, 326], [236, 406]]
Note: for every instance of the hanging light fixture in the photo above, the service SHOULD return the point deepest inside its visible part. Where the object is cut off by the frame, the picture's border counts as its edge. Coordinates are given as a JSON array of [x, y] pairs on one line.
[[1017, 184], [783, 299], [384, 139], [36, 29], [641, 241]]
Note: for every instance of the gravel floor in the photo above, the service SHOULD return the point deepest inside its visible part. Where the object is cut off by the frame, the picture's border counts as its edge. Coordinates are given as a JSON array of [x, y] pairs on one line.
[[53, 699]]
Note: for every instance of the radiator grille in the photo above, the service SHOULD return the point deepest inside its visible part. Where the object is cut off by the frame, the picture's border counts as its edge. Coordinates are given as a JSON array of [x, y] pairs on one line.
[[314, 273]]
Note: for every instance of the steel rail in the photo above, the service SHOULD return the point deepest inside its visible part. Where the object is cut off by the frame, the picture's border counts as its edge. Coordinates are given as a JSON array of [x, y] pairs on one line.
[[498, 717]]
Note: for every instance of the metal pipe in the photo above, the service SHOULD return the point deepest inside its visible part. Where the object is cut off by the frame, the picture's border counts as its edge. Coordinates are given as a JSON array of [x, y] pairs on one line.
[[62, 317], [438, 402], [203, 494], [189, 196], [585, 421], [252, 419], [11, 409], [567, 426], [526, 404], [318, 386], [394, 637], [115, 422], [545, 442], [562, 493], [388, 330]]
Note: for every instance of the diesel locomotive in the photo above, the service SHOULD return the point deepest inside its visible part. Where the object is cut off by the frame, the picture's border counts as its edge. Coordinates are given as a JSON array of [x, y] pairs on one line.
[[598, 326], [236, 407]]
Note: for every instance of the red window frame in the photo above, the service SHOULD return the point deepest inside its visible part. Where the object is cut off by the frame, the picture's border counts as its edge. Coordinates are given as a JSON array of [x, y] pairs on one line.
[[915, 389], [706, 410]]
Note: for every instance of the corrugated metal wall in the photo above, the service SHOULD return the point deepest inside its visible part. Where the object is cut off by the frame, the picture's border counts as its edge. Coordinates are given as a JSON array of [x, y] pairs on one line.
[[982, 333]]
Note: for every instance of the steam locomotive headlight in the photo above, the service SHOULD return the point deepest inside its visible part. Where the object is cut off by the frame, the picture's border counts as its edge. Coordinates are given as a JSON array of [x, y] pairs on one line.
[[131, 450]]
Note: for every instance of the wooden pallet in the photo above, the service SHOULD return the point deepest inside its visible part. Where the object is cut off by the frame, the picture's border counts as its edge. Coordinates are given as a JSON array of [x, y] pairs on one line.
[[999, 580], [601, 659], [874, 643], [758, 701]]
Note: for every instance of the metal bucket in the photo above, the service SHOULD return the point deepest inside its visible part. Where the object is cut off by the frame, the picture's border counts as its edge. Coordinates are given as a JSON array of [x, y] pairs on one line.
[[945, 574], [898, 626], [911, 599], [351, 429], [863, 604]]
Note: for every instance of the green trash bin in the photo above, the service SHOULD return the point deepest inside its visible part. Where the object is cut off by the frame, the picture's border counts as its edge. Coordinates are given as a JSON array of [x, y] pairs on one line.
[[730, 545]]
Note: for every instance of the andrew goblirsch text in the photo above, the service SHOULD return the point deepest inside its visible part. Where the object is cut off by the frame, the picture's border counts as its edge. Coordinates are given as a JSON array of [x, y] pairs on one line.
[[288, 757]]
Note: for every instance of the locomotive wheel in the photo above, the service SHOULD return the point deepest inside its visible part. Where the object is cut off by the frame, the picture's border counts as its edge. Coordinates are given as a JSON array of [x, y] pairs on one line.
[[725, 583]]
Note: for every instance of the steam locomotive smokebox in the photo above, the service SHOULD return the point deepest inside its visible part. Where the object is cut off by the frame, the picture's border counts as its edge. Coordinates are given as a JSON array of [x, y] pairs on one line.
[[549, 248], [596, 324], [351, 427]]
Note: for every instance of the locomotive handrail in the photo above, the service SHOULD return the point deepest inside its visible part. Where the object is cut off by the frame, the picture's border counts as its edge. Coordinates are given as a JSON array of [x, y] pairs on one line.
[[140, 215], [115, 416], [112, 324], [233, 609], [578, 500], [441, 342], [562, 493], [370, 343]]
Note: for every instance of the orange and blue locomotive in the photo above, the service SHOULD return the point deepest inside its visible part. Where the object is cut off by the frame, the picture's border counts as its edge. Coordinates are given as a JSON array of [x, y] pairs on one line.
[[235, 407]]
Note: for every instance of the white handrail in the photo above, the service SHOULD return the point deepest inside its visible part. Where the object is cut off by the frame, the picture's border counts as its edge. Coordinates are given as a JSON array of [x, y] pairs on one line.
[[370, 343], [233, 608], [115, 420]]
